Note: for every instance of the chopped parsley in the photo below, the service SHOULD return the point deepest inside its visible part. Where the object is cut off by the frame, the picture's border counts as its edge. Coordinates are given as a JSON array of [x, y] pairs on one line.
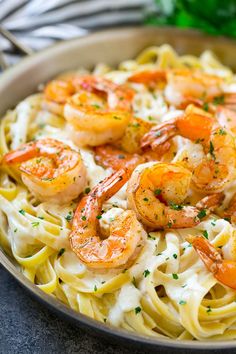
[[222, 131], [137, 310], [175, 256], [105, 320], [95, 288], [69, 216], [219, 100], [134, 282], [175, 276], [40, 217], [205, 233], [205, 106], [83, 217], [99, 217], [15, 230], [87, 190], [21, 211], [169, 224], [35, 223], [60, 253], [146, 273], [211, 150], [95, 105], [182, 302], [157, 191], [117, 118], [201, 214], [208, 309], [151, 237], [145, 199], [175, 206]]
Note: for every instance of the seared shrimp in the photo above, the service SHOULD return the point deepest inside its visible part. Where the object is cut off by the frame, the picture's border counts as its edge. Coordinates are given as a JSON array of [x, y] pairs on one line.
[[149, 78], [183, 84], [224, 270], [99, 112], [50, 169], [56, 93], [217, 168], [109, 156], [156, 192], [230, 212], [126, 233]]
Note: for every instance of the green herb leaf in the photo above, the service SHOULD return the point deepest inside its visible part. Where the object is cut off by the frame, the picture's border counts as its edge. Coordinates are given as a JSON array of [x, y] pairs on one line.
[[182, 302], [201, 214], [137, 310], [60, 253], [35, 223], [21, 211], [205, 233], [175, 276], [146, 273]]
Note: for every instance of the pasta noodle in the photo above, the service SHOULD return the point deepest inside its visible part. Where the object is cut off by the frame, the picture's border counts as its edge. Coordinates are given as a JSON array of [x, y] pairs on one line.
[[167, 291]]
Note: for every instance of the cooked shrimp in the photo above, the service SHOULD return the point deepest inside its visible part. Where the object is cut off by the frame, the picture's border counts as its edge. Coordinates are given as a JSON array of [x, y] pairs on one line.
[[224, 270], [230, 211], [99, 112], [126, 233], [109, 156], [217, 168], [150, 78], [50, 169], [156, 192], [182, 85], [185, 83], [56, 93]]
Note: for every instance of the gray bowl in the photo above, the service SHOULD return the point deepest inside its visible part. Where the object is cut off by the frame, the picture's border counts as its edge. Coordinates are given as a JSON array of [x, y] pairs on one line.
[[111, 47]]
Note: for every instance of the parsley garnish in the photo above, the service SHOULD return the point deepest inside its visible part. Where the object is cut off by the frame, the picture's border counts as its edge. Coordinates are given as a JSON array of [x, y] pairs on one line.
[[211, 150], [175, 276], [157, 191], [69, 216], [205, 106], [21, 211], [99, 217], [87, 190], [137, 310], [95, 288], [83, 217], [219, 100], [146, 273], [145, 199], [35, 223], [175, 256], [222, 131], [182, 302], [175, 206], [201, 214], [60, 253], [205, 233], [208, 309]]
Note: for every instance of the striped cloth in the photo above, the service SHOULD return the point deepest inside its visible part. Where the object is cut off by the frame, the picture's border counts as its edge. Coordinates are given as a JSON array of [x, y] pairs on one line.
[[38, 23]]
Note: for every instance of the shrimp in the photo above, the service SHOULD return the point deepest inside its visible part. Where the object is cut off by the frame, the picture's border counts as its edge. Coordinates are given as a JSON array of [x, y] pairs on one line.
[[149, 78], [230, 211], [99, 112], [109, 156], [50, 169], [224, 270], [217, 168], [56, 93], [126, 233], [185, 83], [185, 86], [156, 192]]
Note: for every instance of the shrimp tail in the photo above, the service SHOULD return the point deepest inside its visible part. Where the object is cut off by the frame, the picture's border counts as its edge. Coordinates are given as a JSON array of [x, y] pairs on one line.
[[159, 135], [223, 270], [210, 202]]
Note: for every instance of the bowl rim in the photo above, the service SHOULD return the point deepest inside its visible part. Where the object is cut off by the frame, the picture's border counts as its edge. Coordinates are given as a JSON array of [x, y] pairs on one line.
[[53, 303]]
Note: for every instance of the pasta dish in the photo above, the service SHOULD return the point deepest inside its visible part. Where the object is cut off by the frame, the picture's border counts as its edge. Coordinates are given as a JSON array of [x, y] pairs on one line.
[[118, 194]]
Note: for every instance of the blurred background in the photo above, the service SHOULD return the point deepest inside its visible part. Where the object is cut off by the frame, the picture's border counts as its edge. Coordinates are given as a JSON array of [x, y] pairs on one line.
[[39, 23]]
